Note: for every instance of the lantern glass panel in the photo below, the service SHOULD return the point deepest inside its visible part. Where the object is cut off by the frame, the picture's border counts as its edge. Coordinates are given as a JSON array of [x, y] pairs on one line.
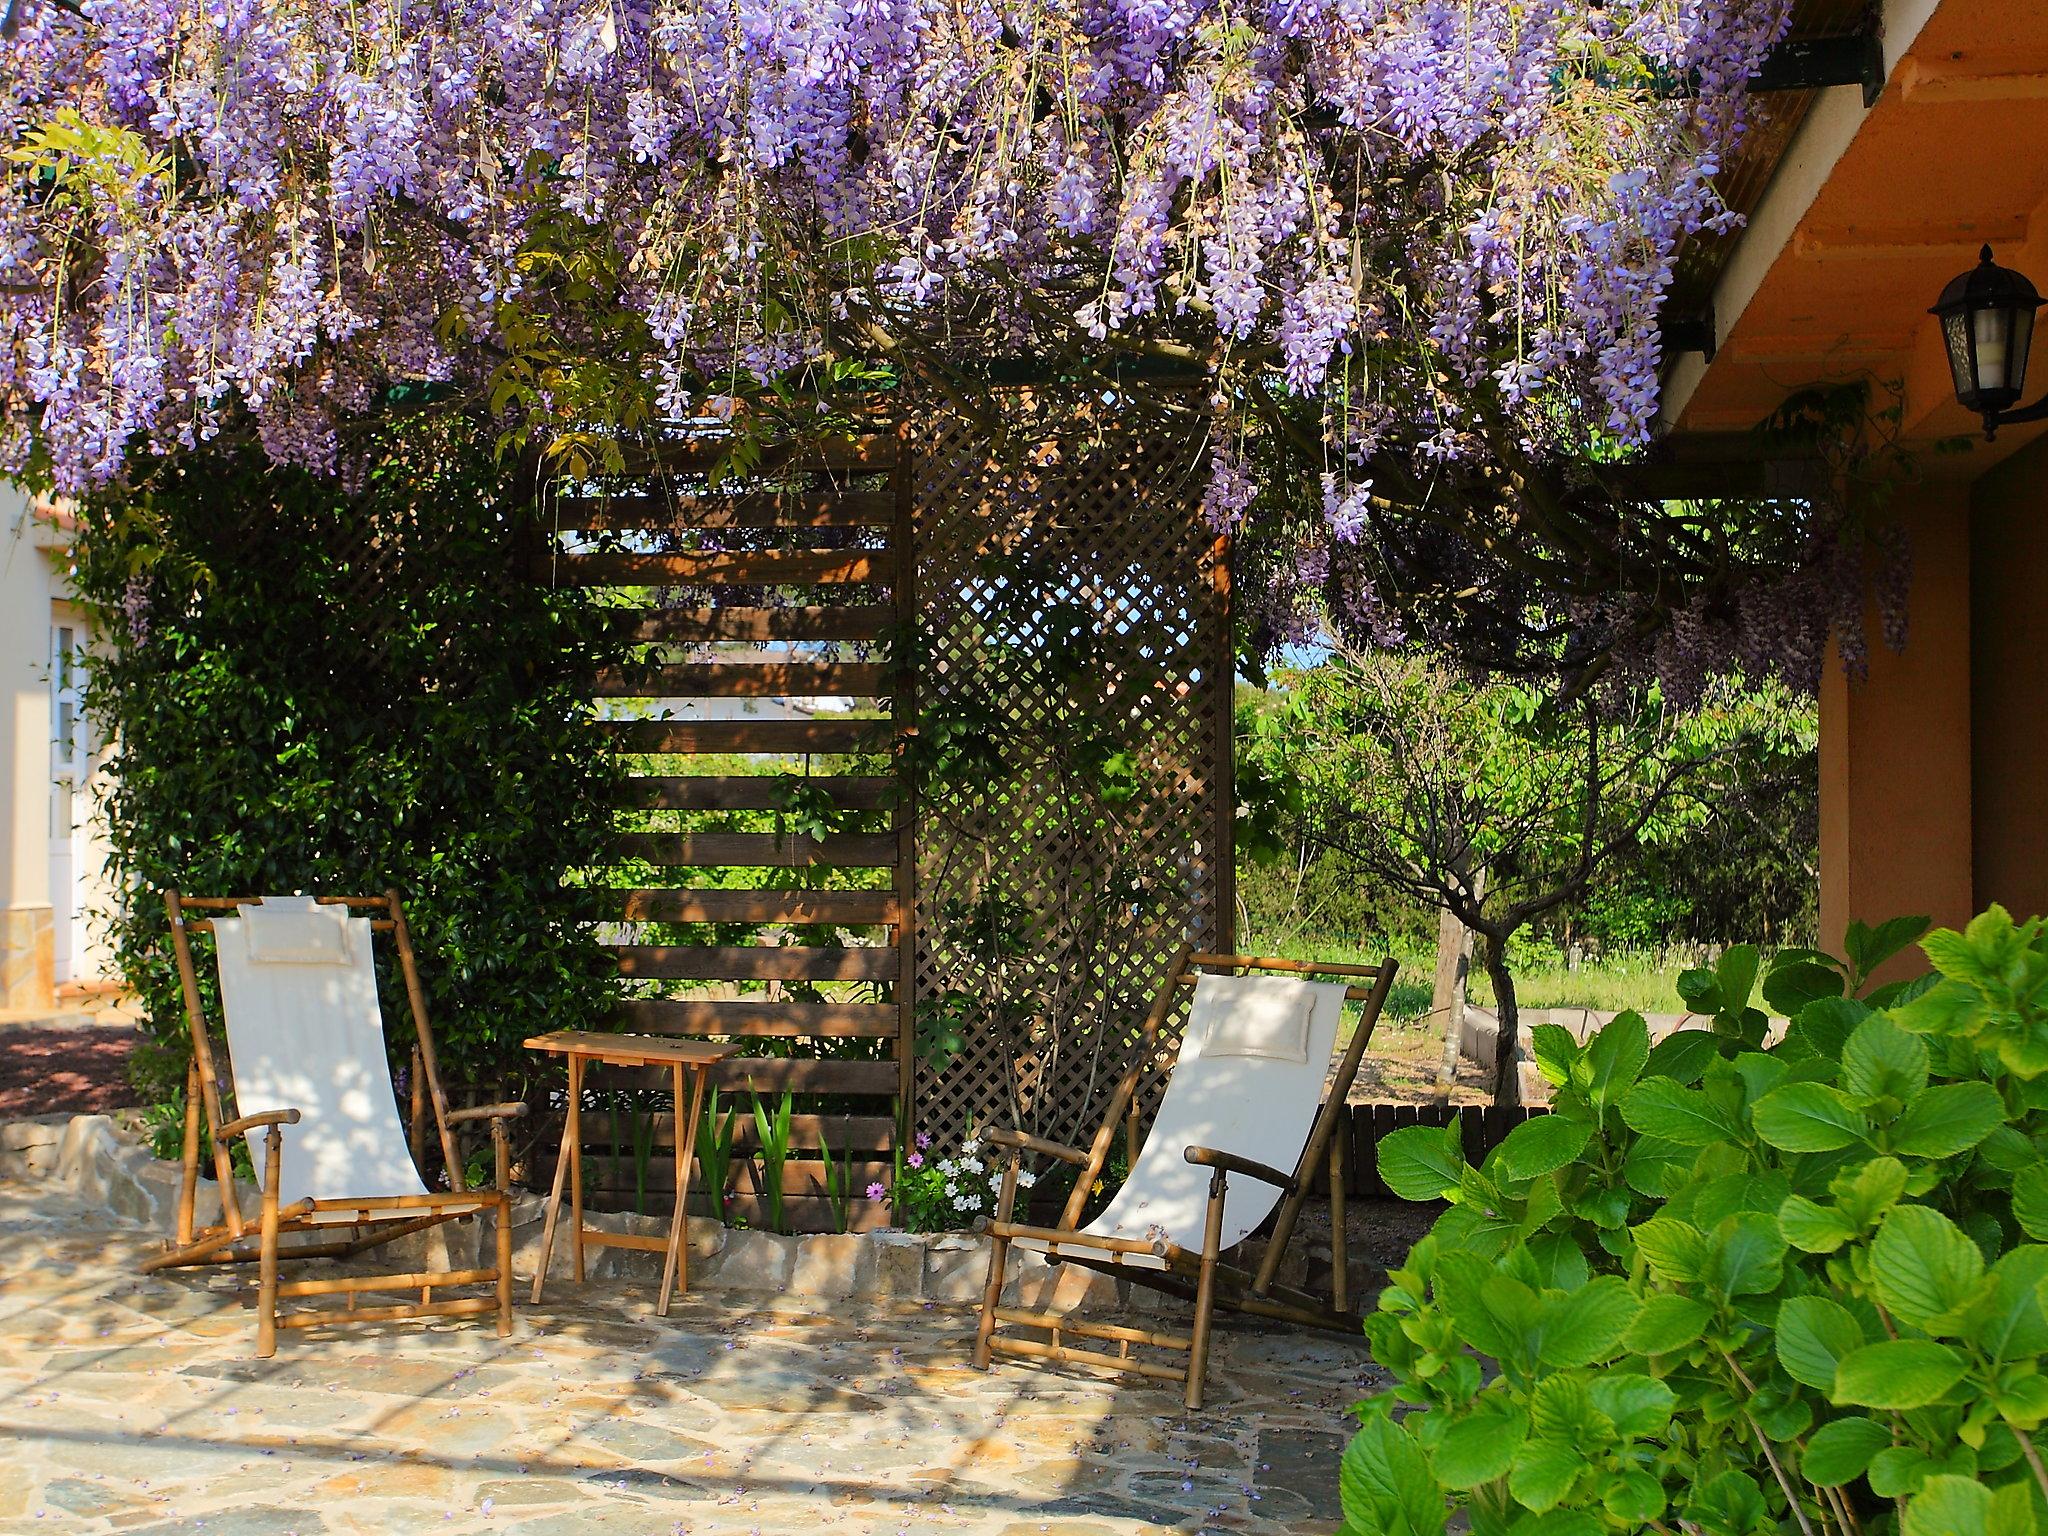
[[1955, 335]]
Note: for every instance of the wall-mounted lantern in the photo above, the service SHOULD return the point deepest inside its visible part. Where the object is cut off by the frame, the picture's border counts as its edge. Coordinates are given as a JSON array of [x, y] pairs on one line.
[[1987, 324]]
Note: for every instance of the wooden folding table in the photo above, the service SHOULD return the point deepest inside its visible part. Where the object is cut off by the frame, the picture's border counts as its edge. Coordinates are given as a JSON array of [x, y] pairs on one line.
[[689, 1060]]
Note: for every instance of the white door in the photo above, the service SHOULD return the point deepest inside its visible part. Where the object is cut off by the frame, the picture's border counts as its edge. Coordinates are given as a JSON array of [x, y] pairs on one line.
[[68, 769]]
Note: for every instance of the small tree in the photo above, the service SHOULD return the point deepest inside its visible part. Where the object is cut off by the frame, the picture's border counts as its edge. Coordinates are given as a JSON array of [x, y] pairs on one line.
[[1501, 803]]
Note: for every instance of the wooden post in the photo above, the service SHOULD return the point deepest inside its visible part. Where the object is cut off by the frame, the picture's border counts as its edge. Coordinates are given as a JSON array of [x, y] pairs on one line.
[[1205, 1292], [903, 716], [416, 1125], [188, 1182], [1224, 685], [266, 1272], [501, 1144], [424, 1033]]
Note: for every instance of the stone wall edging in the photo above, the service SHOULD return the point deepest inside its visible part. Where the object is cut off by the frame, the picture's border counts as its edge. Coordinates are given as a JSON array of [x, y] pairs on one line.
[[99, 1160]]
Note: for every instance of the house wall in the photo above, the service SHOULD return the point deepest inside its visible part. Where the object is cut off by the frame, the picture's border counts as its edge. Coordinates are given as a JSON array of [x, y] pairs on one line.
[[33, 596], [2009, 666], [1896, 830]]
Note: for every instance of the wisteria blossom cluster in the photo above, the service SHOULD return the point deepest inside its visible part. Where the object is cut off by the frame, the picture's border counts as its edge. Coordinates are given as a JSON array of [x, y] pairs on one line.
[[224, 212]]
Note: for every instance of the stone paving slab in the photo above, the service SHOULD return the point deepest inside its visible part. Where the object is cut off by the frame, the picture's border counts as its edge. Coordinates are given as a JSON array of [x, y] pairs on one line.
[[132, 1403]]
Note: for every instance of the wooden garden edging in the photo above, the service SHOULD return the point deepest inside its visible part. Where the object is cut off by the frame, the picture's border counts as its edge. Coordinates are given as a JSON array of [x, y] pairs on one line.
[[1483, 1126]]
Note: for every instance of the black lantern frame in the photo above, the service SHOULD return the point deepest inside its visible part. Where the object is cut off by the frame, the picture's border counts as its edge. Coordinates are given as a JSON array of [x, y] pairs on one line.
[[1987, 327]]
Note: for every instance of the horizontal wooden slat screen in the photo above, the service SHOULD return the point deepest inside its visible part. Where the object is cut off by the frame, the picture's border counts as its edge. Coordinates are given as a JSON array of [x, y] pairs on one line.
[[761, 679]]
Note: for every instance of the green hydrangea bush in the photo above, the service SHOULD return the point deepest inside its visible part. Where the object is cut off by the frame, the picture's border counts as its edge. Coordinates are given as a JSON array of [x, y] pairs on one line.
[[1731, 1286]]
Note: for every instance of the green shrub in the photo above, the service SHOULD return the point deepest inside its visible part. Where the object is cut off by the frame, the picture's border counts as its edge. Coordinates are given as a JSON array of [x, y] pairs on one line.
[[312, 687], [1726, 1288]]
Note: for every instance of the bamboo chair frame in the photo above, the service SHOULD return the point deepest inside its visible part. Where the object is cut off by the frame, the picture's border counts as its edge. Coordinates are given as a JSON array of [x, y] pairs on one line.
[[378, 1220], [1204, 1278]]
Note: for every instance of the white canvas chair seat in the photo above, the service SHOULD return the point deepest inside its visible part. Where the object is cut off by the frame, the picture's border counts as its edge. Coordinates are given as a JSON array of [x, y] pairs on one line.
[[1258, 1106], [298, 987]]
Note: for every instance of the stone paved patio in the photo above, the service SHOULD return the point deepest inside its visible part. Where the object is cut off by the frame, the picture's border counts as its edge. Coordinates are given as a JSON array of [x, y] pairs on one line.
[[133, 1404]]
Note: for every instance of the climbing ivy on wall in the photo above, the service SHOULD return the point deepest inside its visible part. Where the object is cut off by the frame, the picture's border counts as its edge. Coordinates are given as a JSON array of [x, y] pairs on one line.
[[346, 688]]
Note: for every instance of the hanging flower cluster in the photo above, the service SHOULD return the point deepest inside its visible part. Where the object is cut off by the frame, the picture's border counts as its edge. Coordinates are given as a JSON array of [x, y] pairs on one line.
[[274, 211]]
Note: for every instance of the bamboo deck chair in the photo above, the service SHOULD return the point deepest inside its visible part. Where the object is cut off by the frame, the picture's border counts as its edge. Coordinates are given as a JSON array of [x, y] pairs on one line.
[[1247, 1099], [307, 1068]]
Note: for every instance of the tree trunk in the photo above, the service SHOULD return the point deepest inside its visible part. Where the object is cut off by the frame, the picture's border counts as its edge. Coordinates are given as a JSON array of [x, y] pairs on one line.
[[1507, 1073], [1453, 968]]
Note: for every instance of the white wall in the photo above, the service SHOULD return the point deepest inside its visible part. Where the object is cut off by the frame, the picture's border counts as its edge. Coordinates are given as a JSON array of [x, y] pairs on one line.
[[34, 596]]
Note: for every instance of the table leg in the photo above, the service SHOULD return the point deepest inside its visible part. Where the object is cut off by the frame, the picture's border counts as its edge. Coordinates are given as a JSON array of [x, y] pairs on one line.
[[685, 1145], [575, 1133], [547, 1231]]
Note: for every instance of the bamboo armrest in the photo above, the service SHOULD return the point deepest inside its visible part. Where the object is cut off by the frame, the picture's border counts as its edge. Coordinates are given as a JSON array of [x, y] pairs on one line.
[[487, 1112], [1023, 1142], [251, 1122], [1230, 1162]]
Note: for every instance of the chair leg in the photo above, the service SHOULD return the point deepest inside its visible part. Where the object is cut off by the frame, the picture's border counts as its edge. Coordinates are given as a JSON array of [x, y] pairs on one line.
[[501, 1145], [991, 1297], [266, 1273], [188, 1182], [1205, 1293]]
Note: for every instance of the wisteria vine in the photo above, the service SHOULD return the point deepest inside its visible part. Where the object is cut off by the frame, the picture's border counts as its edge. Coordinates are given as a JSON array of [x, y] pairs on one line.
[[1418, 245]]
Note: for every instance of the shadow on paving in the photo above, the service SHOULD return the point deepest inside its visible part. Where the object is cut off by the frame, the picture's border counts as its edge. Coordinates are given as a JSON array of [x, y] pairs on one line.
[[131, 1403]]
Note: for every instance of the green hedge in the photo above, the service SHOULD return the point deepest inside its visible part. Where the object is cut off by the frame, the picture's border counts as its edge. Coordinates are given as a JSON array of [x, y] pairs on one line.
[[311, 685]]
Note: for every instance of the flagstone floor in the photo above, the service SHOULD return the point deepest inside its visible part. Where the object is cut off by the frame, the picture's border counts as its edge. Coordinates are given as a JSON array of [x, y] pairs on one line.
[[134, 1404]]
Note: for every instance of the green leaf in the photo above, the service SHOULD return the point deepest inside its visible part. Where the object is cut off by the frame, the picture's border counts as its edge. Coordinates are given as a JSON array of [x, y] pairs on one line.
[[1949, 1506], [1809, 1117], [1868, 948], [1544, 1472], [1883, 1061], [1657, 1167], [1633, 1497], [1701, 990], [1384, 1477], [1950, 1008], [1681, 1055], [1735, 976], [1539, 1146], [1866, 1193], [1813, 1336], [2015, 1326], [1791, 984], [1480, 1447], [1659, 1107], [1553, 1050], [1676, 1250], [1582, 1326], [1946, 1120], [1617, 1056], [1839, 1453], [1896, 1373], [1639, 1405], [1422, 1162], [1744, 1255], [1822, 1028], [1667, 1323], [2030, 1201], [1923, 1266], [1813, 1228]]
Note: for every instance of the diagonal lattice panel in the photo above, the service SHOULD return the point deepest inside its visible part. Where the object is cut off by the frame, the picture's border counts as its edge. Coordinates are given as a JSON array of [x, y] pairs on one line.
[[1074, 611]]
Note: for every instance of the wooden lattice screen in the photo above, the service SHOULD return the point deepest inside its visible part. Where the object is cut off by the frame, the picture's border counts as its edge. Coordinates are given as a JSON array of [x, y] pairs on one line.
[[1084, 603]]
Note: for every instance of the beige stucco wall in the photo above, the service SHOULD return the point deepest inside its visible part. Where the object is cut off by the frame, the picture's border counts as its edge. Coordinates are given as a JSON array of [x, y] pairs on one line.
[[2009, 665], [33, 595]]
